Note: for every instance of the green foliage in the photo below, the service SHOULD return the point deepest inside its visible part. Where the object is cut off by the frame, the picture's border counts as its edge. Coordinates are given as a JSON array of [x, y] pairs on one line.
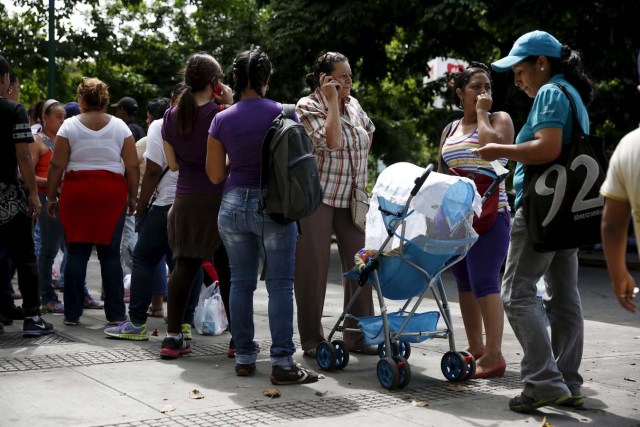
[[138, 47]]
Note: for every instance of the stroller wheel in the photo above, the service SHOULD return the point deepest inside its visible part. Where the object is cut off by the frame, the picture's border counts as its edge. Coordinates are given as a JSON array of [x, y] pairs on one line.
[[399, 349], [342, 354], [382, 350], [470, 365], [388, 374], [404, 349], [326, 356], [454, 366], [404, 371]]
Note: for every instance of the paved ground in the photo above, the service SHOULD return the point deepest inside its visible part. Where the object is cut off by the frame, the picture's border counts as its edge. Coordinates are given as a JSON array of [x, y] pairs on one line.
[[78, 377]]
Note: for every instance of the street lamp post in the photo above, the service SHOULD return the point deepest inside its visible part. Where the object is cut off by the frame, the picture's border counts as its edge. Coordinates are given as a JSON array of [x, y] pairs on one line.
[[52, 50]]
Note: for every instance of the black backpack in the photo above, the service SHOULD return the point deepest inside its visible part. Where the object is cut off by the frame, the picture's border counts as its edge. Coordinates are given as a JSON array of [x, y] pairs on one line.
[[288, 170]]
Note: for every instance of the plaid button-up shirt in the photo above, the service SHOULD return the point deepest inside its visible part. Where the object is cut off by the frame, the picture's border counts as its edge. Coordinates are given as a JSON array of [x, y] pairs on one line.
[[333, 164]]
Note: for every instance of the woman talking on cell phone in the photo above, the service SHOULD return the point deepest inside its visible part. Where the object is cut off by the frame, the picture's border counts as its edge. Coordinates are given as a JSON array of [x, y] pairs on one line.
[[191, 225], [342, 134]]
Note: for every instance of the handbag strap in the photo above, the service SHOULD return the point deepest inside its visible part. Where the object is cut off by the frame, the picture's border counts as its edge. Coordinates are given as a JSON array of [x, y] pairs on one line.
[[155, 192], [442, 165], [353, 170], [577, 126]]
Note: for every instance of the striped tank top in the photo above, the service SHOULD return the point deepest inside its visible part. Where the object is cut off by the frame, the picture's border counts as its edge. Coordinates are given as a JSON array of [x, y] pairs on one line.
[[456, 153]]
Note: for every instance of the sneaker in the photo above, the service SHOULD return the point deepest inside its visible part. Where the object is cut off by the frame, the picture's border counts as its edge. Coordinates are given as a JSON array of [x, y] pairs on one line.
[[296, 374], [70, 322], [231, 353], [186, 332], [245, 370], [524, 403], [115, 322], [36, 328], [126, 331], [55, 306], [572, 401], [173, 348], [5, 321], [91, 304]]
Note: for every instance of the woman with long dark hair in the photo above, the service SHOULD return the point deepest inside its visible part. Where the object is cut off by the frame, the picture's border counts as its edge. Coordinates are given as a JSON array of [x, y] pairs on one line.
[[550, 365], [191, 224], [248, 233]]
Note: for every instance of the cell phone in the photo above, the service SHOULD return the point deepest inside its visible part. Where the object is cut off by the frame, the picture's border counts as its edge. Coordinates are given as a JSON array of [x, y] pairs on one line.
[[217, 89]]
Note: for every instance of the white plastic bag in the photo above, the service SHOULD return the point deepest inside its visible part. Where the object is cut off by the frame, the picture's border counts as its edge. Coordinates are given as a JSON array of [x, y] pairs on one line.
[[210, 317]]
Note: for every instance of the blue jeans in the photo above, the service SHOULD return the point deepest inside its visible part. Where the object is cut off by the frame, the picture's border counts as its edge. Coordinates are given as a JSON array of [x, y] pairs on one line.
[[127, 244], [75, 272], [51, 241], [249, 236], [149, 254]]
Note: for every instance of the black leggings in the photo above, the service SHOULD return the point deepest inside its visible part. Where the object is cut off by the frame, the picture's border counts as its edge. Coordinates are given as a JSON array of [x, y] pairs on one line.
[[180, 284], [16, 241]]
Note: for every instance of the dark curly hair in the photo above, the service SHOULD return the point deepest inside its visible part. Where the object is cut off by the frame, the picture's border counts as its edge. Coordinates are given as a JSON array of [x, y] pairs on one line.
[[570, 65], [325, 63], [465, 75]]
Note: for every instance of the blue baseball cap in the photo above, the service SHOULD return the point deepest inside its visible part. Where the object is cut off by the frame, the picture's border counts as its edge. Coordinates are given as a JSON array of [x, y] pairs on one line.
[[72, 109], [535, 43]]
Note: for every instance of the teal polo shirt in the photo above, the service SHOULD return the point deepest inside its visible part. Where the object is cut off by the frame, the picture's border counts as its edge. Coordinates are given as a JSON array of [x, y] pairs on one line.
[[551, 109]]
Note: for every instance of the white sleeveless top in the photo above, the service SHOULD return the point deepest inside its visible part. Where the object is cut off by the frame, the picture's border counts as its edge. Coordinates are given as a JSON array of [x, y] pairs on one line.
[[95, 150]]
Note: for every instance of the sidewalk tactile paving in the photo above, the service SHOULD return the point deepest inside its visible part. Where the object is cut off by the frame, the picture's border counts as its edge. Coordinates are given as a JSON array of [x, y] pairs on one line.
[[15, 339], [89, 358], [268, 414]]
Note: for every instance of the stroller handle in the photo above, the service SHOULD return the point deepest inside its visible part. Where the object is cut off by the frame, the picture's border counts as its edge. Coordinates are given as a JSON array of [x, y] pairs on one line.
[[420, 181]]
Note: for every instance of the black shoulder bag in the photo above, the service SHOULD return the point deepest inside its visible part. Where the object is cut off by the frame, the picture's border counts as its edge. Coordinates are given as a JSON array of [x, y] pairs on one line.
[[562, 201]]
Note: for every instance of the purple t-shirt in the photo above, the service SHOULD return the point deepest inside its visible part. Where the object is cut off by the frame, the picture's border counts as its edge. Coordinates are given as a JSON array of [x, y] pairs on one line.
[[241, 129], [191, 150]]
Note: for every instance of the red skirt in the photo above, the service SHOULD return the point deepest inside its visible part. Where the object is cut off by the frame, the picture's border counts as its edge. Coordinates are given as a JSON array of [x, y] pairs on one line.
[[91, 204]]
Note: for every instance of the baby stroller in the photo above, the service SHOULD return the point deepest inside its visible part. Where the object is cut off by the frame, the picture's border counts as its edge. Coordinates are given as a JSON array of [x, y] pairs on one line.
[[421, 228]]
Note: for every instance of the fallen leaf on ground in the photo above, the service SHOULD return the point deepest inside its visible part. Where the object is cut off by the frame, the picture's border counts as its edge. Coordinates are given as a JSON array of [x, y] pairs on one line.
[[545, 423], [456, 387], [196, 394], [254, 401], [271, 392], [630, 379], [419, 403], [321, 393], [154, 333], [167, 408]]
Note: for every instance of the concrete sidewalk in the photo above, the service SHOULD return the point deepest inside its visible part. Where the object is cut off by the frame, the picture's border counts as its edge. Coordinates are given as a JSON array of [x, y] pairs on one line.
[[79, 377]]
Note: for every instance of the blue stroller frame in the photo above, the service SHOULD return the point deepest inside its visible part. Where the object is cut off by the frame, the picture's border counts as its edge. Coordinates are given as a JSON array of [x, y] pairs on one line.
[[414, 269]]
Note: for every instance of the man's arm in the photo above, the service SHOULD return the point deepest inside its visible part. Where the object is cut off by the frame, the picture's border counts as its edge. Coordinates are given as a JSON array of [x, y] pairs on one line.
[[27, 172], [614, 229], [150, 180]]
